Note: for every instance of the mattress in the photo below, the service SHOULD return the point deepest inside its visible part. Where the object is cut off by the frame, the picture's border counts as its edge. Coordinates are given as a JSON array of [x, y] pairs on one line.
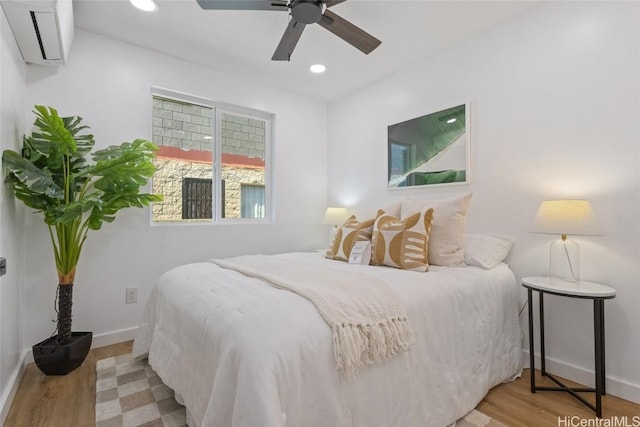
[[242, 353]]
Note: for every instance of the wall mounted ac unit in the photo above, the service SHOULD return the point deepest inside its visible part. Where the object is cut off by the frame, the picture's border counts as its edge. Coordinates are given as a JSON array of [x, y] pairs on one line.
[[43, 29]]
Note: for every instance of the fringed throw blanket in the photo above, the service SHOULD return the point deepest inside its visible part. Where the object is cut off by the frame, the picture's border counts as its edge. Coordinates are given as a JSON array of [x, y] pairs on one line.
[[368, 321]]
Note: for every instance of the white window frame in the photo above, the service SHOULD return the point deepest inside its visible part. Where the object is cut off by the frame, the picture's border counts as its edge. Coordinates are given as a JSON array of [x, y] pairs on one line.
[[218, 109]]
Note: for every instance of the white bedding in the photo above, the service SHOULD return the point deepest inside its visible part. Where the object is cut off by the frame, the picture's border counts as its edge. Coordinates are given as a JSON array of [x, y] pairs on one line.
[[243, 353]]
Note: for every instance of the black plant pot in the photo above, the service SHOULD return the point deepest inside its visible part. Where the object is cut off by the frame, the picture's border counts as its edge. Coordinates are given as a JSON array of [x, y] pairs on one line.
[[60, 359]]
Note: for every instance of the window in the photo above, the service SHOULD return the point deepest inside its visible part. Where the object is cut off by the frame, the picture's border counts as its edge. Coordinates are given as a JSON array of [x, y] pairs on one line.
[[197, 199], [212, 161], [252, 201]]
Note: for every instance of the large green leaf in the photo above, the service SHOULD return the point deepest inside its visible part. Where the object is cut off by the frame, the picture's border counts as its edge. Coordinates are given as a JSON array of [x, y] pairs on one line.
[[123, 168], [37, 181], [106, 210], [139, 146], [84, 143], [54, 136], [75, 210]]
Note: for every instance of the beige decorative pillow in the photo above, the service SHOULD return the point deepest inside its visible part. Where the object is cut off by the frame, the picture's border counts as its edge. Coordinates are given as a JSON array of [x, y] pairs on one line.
[[402, 243], [446, 240], [390, 208], [347, 235]]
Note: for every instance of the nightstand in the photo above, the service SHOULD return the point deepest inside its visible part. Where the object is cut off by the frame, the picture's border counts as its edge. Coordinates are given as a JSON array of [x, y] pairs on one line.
[[582, 290]]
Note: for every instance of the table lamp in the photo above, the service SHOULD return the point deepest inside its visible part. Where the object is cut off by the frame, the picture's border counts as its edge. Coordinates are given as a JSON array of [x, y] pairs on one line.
[[335, 216], [565, 217]]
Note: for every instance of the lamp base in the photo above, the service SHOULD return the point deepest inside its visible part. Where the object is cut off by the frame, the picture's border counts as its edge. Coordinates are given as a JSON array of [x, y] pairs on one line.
[[564, 260]]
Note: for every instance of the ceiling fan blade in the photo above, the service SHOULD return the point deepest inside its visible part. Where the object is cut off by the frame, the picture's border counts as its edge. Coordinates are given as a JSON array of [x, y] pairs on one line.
[[348, 32], [333, 2], [288, 41], [243, 4]]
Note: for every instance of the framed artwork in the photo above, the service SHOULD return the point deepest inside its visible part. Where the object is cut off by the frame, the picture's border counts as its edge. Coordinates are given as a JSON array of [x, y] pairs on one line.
[[430, 150]]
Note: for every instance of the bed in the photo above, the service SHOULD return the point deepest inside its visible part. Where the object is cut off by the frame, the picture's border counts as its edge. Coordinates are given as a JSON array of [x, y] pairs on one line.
[[241, 352]]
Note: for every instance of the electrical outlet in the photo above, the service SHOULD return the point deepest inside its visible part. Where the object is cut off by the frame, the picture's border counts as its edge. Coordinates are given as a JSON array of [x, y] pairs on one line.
[[3, 266], [132, 295]]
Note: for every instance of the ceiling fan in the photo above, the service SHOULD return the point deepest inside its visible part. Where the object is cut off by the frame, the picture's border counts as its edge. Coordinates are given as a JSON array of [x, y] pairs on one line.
[[303, 12]]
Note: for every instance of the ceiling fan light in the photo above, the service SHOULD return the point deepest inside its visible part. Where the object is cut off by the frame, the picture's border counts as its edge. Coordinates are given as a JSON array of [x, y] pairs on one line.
[[306, 11], [145, 5], [318, 68]]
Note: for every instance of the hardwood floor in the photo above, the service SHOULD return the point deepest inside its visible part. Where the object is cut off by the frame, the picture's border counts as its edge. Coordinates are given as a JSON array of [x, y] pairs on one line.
[[60, 401], [513, 404], [69, 401]]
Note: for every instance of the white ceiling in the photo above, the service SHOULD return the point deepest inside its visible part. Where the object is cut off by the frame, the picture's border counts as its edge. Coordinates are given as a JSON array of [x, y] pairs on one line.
[[242, 42]]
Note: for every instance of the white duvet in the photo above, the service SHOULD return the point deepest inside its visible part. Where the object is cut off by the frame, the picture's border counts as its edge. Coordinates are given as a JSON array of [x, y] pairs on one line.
[[243, 353]]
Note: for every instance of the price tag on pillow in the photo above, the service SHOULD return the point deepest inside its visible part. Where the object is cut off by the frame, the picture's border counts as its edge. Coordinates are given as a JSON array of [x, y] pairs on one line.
[[360, 253]]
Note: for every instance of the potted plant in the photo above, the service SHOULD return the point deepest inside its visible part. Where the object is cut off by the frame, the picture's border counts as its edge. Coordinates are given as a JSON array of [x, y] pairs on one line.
[[53, 176]]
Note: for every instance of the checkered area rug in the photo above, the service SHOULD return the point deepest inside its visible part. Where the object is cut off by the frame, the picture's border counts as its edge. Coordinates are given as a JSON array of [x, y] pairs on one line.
[[130, 394]]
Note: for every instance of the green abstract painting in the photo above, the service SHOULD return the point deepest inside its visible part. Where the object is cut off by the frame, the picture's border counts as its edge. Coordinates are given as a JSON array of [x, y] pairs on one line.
[[429, 150]]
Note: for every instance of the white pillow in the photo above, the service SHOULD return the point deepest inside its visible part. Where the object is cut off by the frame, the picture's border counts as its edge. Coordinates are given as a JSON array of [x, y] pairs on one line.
[[446, 241], [485, 250]]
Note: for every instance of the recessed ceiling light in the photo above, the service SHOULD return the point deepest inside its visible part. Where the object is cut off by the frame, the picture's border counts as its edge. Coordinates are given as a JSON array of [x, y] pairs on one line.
[[451, 120], [146, 5], [318, 68]]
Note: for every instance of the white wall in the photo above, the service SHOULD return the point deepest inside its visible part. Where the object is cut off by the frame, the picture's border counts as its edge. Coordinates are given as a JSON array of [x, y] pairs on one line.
[[555, 112], [108, 84], [12, 91]]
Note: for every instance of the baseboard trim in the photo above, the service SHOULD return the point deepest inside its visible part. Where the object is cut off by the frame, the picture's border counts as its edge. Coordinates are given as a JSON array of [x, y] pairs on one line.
[[12, 389], [615, 386], [114, 337]]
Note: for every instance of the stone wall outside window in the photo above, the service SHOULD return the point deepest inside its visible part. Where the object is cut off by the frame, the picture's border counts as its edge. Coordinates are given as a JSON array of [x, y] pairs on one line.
[[168, 181], [189, 127]]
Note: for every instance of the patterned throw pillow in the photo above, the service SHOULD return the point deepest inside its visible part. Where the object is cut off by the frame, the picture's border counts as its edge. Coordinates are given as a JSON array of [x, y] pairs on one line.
[[402, 243], [347, 235]]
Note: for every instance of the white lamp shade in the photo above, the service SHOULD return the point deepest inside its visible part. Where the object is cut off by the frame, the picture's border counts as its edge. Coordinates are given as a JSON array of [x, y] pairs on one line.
[[566, 217], [335, 216]]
